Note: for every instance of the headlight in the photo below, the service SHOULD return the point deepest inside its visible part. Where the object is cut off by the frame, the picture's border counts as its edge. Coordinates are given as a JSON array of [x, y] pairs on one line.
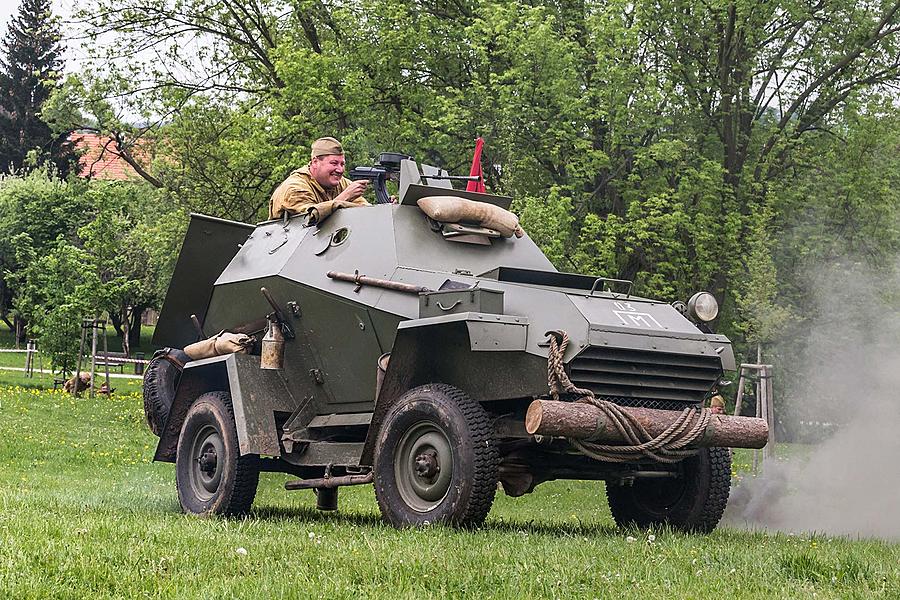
[[703, 307]]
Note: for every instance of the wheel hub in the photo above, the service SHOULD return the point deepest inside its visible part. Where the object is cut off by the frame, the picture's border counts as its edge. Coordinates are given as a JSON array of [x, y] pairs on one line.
[[427, 465], [208, 460], [423, 466], [206, 450]]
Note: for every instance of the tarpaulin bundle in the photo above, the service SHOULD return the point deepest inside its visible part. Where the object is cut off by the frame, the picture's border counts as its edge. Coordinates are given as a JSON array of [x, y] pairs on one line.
[[219, 344], [450, 209]]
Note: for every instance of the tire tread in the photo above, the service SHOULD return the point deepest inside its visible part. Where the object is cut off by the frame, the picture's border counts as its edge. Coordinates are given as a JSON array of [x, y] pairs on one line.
[[719, 489], [157, 401], [486, 459], [703, 518], [246, 476], [246, 468]]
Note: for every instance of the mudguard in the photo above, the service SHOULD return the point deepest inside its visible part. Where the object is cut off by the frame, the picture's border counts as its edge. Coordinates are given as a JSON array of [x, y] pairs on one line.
[[256, 396], [442, 350]]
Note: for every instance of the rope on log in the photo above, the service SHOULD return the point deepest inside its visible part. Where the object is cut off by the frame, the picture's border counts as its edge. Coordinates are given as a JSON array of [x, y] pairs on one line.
[[668, 447]]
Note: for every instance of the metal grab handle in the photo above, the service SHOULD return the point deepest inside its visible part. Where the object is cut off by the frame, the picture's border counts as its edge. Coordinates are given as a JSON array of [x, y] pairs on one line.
[[451, 307], [600, 280]]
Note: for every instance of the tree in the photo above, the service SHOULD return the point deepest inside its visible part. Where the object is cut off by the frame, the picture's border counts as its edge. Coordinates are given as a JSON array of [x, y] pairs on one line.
[[652, 141], [131, 246], [42, 207], [116, 261], [30, 68], [206, 111], [54, 295]]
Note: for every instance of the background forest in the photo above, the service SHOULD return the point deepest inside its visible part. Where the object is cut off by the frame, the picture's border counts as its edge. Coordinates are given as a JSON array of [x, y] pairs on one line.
[[745, 147]]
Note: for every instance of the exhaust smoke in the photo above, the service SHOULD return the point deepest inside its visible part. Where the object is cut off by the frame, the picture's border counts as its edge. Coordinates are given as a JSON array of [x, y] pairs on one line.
[[844, 391]]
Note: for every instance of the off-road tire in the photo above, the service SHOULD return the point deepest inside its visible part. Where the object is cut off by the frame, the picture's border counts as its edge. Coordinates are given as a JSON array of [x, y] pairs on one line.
[[160, 379], [693, 503], [231, 487], [448, 416]]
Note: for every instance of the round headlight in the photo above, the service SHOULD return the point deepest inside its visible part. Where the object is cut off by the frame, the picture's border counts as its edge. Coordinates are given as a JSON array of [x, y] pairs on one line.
[[703, 307]]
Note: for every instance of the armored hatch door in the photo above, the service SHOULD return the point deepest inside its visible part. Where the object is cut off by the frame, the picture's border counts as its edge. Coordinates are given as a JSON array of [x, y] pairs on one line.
[[346, 350], [209, 245]]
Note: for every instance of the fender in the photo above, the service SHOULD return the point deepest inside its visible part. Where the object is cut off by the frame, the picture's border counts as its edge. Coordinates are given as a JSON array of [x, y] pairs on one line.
[[501, 370], [256, 395]]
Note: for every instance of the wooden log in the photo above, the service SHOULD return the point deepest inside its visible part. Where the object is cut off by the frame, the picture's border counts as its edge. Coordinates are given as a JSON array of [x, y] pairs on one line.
[[583, 421]]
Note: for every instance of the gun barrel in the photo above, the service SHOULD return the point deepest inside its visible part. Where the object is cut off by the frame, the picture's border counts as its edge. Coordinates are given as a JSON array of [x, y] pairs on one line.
[[366, 173]]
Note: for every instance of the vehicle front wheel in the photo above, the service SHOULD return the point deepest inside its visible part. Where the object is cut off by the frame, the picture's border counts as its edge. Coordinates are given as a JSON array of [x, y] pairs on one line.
[[436, 460], [211, 475], [693, 502]]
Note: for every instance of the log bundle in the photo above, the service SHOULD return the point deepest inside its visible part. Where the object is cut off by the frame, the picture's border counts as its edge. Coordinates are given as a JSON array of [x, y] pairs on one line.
[[584, 421]]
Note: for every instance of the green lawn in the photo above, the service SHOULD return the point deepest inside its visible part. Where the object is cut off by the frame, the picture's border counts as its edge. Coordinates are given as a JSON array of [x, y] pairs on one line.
[[85, 514]]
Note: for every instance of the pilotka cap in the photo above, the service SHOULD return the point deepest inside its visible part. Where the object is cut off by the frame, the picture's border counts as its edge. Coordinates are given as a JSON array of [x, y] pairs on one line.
[[326, 146]]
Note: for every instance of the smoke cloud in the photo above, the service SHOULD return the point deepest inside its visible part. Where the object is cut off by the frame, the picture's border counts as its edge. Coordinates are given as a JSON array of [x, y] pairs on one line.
[[844, 393]]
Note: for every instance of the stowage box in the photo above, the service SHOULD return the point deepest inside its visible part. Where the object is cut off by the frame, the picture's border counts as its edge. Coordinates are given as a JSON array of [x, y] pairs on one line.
[[447, 302]]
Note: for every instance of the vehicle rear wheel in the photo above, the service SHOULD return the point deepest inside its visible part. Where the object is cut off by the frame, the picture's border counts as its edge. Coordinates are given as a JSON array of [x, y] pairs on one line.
[[693, 502], [211, 475], [436, 460]]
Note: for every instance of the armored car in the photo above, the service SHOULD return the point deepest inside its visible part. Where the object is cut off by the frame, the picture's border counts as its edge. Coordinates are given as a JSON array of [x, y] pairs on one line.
[[433, 360]]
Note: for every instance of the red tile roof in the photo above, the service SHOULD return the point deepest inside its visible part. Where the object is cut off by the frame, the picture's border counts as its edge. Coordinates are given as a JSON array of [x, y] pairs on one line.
[[100, 157]]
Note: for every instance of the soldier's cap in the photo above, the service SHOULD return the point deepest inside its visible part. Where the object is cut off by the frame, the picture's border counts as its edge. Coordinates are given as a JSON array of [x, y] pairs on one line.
[[326, 146]]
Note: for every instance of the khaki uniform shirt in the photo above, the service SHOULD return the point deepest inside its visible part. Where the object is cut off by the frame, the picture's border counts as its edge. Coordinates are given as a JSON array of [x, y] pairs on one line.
[[300, 192]]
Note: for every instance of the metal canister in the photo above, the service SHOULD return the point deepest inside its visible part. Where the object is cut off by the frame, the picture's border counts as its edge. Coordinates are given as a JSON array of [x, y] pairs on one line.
[[272, 355]]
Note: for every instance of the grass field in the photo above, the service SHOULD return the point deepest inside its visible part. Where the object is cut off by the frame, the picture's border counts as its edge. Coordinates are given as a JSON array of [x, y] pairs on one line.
[[8, 340], [85, 514]]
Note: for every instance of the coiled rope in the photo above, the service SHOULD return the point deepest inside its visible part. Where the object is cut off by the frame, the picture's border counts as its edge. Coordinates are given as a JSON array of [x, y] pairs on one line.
[[668, 446]]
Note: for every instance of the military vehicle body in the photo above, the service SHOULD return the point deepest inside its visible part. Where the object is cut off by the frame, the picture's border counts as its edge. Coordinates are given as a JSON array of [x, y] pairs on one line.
[[412, 352]]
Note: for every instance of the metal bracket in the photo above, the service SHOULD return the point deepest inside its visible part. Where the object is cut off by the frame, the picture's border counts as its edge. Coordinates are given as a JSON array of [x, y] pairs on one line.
[[283, 242], [600, 280], [197, 327], [286, 328]]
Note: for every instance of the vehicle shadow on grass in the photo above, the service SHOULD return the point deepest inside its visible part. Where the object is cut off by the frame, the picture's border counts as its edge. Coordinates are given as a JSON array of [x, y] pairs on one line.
[[553, 529], [304, 513], [373, 520]]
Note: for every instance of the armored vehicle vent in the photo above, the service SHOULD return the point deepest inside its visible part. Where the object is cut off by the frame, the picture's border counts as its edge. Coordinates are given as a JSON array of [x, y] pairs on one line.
[[645, 378]]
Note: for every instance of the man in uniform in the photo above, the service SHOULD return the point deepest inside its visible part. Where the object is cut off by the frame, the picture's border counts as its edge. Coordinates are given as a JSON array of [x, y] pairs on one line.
[[320, 187]]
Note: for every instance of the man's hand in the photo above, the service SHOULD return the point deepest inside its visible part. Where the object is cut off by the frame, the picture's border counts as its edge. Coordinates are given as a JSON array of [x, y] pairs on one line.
[[354, 190]]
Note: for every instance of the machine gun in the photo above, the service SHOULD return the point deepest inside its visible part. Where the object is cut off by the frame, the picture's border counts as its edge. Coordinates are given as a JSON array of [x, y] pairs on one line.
[[386, 167]]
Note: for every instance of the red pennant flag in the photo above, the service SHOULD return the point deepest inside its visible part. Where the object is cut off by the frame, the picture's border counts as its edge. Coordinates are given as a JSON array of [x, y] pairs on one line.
[[475, 171]]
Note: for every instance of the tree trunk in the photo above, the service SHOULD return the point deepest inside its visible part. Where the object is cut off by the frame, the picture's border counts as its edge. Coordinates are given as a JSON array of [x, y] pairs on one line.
[[126, 331], [116, 320], [21, 329], [134, 331]]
